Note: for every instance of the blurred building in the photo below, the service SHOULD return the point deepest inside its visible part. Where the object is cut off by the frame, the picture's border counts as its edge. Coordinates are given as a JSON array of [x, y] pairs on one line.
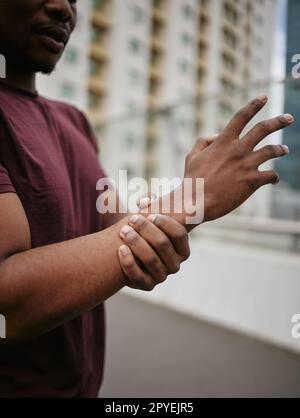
[[149, 54], [176, 49], [290, 168]]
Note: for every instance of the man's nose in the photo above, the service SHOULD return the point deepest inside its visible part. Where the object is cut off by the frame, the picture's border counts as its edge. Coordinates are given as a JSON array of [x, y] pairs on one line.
[[59, 10]]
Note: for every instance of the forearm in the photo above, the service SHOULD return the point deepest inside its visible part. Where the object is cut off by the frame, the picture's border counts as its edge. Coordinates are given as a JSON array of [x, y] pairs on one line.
[[111, 219], [42, 288]]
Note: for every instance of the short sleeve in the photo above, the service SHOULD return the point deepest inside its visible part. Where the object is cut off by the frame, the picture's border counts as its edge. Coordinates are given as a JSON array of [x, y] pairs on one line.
[[6, 185]]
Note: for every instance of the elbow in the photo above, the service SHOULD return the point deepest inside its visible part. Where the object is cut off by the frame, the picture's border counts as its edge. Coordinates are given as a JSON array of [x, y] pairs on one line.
[[12, 335]]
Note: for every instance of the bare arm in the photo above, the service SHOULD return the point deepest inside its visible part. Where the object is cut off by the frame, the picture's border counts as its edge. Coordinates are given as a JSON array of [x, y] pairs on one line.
[[44, 287]]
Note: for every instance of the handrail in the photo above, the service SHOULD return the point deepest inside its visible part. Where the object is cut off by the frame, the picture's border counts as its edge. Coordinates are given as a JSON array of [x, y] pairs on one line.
[[266, 225]]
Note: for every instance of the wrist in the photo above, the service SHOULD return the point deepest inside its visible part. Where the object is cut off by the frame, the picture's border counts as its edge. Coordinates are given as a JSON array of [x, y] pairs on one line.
[[170, 205]]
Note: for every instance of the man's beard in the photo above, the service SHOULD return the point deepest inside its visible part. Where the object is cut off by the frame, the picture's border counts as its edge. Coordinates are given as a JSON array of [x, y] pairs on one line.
[[28, 64]]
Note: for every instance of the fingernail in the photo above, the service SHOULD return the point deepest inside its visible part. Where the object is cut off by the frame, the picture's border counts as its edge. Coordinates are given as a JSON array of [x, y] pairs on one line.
[[152, 218], [144, 203], [125, 231], [263, 98], [124, 250], [286, 148], [134, 219], [289, 117]]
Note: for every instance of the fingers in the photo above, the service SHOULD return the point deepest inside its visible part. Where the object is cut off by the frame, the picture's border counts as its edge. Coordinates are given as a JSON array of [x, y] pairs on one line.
[[243, 117], [160, 241], [268, 177], [137, 279], [144, 253], [265, 128], [269, 152], [175, 231]]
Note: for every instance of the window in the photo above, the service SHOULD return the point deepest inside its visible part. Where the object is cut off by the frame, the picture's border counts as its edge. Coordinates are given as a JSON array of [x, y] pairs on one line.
[[130, 140], [136, 77], [184, 66], [188, 11], [187, 39], [68, 90], [135, 45], [71, 55], [138, 13]]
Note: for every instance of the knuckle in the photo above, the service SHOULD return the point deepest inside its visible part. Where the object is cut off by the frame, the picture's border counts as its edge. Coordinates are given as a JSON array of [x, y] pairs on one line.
[[253, 179], [134, 280], [132, 238], [160, 275], [187, 253], [175, 268], [161, 278], [243, 114], [149, 287], [256, 104], [153, 261], [272, 151], [281, 121], [200, 142], [188, 156], [239, 150], [129, 264], [264, 127], [180, 234], [141, 282], [274, 177], [163, 243], [142, 224]]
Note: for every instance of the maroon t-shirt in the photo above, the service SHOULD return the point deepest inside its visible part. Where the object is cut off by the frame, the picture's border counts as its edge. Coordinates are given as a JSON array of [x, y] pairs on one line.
[[48, 156]]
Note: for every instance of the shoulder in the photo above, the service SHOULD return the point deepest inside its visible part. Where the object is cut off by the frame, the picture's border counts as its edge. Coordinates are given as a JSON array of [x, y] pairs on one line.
[[68, 110], [77, 117]]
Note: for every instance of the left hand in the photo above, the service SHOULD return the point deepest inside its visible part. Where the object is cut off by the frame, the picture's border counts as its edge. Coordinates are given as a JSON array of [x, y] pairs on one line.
[[154, 248]]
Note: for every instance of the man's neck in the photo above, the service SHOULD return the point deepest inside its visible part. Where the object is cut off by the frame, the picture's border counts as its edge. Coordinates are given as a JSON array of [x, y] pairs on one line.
[[20, 79]]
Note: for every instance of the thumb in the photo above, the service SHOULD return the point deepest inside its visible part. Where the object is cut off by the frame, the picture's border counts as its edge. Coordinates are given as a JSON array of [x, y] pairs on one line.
[[204, 143]]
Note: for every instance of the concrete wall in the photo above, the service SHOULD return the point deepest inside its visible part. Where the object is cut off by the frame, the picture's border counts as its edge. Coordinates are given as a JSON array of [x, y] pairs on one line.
[[251, 289]]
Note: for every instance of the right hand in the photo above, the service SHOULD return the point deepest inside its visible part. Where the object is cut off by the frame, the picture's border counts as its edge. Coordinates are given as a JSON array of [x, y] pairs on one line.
[[229, 164]]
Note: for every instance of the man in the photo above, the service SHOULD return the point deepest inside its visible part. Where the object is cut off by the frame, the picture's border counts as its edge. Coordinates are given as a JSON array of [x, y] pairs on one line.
[[59, 259]]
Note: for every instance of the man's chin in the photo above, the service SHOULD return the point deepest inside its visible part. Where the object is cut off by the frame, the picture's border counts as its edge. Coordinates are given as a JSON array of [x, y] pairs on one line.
[[43, 67]]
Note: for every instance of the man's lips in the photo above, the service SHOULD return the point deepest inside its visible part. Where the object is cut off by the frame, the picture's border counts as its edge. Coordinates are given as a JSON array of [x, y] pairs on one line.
[[53, 37]]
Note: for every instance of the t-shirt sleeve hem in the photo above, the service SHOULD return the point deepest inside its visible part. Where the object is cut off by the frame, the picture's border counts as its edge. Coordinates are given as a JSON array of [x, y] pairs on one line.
[[7, 188]]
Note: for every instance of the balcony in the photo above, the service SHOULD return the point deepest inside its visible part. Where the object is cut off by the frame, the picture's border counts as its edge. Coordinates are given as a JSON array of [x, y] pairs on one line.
[[101, 20], [99, 53]]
